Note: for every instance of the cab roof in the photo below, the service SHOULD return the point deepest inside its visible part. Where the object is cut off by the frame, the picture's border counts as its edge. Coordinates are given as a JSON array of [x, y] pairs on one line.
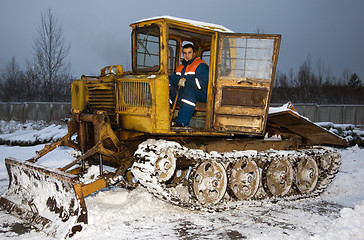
[[182, 21]]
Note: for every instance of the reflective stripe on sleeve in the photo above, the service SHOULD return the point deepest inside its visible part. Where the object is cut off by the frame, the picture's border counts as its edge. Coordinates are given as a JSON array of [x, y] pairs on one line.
[[188, 102], [189, 73], [197, 83]]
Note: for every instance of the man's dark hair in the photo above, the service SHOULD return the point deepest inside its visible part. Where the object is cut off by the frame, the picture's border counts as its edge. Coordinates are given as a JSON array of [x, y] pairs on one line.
[[189, 45]]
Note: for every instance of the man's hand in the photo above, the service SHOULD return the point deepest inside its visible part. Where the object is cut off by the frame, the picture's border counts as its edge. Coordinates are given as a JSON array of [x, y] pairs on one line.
[[182, 82]]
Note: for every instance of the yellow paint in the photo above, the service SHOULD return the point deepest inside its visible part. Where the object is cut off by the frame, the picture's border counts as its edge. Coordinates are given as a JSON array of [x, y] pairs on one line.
[[93, 187], [78, 94]]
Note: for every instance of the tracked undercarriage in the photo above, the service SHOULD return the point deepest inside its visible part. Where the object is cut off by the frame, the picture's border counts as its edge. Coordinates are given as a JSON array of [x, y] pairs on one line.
[[215, 181]]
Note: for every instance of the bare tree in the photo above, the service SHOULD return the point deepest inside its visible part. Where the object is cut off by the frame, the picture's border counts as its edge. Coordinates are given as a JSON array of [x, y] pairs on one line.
[[31, 84], [12, 78], [320, 71], [329, 77], [50, 62], [345, 77]]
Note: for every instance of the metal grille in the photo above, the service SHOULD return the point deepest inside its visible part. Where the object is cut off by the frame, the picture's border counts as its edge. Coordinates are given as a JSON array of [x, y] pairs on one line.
[[134, 96], [101, 95]]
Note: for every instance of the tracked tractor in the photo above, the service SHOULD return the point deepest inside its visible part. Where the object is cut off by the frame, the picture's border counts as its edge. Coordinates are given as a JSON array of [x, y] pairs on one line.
[[235, 149]]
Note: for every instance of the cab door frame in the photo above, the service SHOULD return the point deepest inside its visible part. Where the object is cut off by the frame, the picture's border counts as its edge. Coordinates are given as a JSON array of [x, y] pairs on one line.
[[243, 81]]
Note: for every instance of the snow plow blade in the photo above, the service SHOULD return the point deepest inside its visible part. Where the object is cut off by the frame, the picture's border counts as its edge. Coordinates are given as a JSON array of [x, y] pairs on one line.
[[50, 200]]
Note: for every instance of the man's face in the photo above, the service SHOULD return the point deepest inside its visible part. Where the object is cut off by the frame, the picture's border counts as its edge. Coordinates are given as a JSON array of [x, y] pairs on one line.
[[188, 53]]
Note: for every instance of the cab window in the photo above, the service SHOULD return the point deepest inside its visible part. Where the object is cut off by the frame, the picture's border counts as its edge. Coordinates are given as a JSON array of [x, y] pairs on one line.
[[172, 56], [206, 57], [147, 53]]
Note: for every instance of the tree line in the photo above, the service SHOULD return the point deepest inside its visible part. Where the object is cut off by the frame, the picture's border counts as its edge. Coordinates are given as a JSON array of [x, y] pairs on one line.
[[320, 86]]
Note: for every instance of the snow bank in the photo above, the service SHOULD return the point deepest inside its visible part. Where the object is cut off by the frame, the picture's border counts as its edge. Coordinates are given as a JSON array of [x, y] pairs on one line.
[[347, 188], [12, 126], [29, 133], [348, 131], [122, 214], [350, 225]]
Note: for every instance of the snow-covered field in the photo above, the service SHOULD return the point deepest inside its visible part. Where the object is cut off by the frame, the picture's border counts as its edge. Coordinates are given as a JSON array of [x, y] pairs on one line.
[[117, 213]]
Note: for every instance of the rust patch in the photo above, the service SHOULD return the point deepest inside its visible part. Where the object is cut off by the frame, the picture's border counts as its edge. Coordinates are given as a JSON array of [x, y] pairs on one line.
[[239, 96]]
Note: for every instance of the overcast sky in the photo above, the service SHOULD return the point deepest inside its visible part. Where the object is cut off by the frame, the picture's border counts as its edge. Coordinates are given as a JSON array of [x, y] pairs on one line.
[[99, 32]]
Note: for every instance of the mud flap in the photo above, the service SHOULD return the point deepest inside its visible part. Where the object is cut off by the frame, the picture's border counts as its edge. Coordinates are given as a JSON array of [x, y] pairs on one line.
[[50, 200]]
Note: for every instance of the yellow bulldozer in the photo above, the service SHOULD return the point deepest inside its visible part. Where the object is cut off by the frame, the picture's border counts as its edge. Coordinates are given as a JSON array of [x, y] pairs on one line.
[[235, 149]]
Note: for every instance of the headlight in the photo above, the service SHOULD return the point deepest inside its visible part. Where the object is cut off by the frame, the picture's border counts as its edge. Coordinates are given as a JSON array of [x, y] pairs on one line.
[[114, 70]]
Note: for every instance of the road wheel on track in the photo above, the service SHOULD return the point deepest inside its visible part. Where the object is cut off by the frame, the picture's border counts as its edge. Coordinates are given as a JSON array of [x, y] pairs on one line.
[[208, 182], [277, 177], [165, 166], [326, 162], [307, 174], [244, 179]]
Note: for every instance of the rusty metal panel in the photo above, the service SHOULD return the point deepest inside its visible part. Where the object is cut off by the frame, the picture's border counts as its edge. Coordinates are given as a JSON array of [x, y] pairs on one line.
[[240, 96], [239, 123], [101, 95]]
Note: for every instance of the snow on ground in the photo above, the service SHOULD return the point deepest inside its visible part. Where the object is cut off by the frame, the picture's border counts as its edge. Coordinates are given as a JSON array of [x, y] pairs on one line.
[[117, 213], [30, 133]]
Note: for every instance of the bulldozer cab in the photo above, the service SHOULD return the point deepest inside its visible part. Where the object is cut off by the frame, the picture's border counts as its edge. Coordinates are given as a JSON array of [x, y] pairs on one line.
[[241, 69]]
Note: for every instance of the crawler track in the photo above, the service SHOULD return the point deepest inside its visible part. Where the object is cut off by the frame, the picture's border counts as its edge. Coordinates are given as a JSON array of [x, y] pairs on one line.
[[219, 181]]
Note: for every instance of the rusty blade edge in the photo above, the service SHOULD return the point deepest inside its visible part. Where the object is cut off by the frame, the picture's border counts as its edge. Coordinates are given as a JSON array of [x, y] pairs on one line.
[[54, 172]]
